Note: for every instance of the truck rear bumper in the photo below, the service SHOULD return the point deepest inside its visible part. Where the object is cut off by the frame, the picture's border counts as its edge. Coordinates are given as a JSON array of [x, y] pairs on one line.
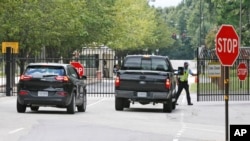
[[142, 95]]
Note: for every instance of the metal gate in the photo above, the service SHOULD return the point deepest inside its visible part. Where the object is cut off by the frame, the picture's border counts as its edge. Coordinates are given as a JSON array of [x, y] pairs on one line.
[[98, 67], [210, 87]]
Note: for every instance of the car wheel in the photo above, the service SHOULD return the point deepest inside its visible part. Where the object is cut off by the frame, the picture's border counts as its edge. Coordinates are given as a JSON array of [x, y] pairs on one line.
[[83, 106], [126, 103], [167, 107], [72, 105], [118, 104], [34, 108], [20, 107]]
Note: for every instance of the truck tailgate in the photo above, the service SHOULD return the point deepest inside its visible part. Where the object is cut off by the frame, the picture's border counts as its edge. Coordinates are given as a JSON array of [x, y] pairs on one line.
[[143, 81]]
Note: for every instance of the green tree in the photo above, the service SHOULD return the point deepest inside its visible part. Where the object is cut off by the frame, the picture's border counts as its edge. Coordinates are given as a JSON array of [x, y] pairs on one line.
[[134, 24]]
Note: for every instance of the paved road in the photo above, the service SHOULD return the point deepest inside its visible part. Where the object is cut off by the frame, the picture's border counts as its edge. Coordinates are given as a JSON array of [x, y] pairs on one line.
[[203, 121]]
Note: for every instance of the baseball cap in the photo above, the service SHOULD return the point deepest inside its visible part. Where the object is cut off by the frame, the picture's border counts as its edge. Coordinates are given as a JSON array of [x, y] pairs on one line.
[[186, 63]]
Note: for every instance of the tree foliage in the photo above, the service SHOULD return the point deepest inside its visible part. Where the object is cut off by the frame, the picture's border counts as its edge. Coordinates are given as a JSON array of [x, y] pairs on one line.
[[134, 24], [62, 26]]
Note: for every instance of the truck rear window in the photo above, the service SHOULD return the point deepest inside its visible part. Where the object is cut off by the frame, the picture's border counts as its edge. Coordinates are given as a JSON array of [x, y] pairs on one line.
[[137, 63]]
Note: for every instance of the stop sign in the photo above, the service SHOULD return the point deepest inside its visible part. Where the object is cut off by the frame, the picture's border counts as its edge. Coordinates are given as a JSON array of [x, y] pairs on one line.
[[79, 67], [227, 45], [242, 71]]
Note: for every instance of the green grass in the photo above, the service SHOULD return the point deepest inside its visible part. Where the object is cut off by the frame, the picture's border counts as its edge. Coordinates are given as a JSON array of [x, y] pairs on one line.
[[193, 88], [234, 85]]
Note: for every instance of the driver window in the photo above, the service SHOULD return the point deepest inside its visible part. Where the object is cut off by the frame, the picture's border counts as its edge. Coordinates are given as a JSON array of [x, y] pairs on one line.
[[73, 72]]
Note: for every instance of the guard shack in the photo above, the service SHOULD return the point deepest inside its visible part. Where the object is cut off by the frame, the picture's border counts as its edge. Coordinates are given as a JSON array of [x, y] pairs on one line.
[[98, 61]]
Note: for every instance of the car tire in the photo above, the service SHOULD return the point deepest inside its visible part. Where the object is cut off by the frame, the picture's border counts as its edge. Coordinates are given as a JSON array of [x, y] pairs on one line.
[[72, 105], [119, 104], [167, 107], [83, 106], [34, 108], [20, 107]]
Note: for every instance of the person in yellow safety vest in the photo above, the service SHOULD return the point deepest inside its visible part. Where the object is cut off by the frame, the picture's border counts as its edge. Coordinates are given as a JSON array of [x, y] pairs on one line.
[[183, 83]]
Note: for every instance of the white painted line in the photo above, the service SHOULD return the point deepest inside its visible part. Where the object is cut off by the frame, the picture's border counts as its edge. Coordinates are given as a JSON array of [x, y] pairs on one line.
[[183, 127], [16, 130], [92, 104]]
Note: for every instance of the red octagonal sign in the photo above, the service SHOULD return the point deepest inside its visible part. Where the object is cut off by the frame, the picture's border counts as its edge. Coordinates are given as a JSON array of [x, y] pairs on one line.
[[242, 71], [79, 67], [227, 45]]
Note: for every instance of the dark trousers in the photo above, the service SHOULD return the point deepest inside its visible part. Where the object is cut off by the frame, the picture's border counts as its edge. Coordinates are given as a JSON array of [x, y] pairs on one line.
[[181, 86]]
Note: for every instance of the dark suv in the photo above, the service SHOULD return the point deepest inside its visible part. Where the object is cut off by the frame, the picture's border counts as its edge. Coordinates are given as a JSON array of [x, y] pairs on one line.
[[51, 84]]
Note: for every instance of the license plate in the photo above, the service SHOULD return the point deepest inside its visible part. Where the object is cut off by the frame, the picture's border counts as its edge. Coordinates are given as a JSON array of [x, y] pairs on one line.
[[43, 93], [141, 94]]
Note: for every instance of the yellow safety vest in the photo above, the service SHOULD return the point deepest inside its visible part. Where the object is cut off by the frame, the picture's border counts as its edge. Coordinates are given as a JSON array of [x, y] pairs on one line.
[[184, 77]]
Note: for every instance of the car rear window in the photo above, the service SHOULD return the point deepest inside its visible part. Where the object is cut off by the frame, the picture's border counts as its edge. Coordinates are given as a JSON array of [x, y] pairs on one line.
[[145, 63], [44, 70]]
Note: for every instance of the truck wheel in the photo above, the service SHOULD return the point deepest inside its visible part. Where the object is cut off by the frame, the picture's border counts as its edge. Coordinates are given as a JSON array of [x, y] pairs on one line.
[[119, 104], [126, 103], [167, 107], [173, 105], [82, 107], [72, 105], [34, 108], [20, 107]]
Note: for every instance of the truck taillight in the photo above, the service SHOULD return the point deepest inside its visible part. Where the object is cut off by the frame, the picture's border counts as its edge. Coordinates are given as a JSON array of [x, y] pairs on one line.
[[117, 81], [168, 84]]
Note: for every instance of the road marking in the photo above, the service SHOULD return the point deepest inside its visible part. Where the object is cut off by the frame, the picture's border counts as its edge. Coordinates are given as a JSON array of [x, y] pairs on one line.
[[16, 130], [92, 104], [183, 125]]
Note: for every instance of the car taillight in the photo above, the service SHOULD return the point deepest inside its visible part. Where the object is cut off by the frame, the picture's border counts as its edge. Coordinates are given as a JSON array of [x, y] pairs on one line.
[[168, 84], [23, 92], [62, 93], [62, 78], [117, 81], [25, 77]]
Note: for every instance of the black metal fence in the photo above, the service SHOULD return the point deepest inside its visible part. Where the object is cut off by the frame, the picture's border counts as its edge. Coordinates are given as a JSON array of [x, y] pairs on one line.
[[98, 65], [210, 87]]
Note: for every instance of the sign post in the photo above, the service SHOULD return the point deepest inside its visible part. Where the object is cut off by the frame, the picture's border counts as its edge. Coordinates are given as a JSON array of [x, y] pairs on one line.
[[227, 50]]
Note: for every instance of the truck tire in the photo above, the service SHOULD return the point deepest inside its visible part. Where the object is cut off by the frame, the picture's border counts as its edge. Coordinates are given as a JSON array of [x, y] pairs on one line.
[[167, 107], [34, 108], [20, 107], [173, 105], [119, 104]]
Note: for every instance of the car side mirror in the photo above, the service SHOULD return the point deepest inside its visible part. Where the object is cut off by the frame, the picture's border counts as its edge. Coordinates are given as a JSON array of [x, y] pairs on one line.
[[84, 77]]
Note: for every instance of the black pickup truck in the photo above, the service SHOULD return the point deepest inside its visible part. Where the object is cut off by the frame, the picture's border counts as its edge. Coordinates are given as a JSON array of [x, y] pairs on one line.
[[146, 79]]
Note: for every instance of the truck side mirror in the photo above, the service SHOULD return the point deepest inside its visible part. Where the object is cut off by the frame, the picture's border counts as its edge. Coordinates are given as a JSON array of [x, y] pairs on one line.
[[180, 70]]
